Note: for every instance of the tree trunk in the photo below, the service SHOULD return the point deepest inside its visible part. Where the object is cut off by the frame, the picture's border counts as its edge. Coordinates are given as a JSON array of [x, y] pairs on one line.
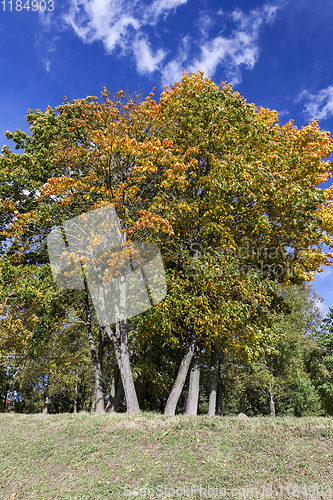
[[96, 359], [47, 401], [142, 398], [157, 403], [114, 385], [219, 398], [120, 343], [269, 363], [5, 400], [118, 397], [184, 404], [47, 404], [271, 401], [24, 400], [175, 393], [116, 392], [193, 391], [212, 393], [93, 406], [75, 395], [90, 394], [191, 343]]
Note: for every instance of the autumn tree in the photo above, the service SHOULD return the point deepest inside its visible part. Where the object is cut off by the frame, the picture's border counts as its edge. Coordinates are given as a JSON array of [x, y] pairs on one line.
[[200, 171], [83, 156]]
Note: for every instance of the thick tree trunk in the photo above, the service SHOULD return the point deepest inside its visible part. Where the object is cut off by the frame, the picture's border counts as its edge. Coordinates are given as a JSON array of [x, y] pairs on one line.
[[271, 401], [118, 397], [191, 343], [116, 392], [96, 360], [175, 393], [219, 398], [212, 393], [120, 342], [193, 391]]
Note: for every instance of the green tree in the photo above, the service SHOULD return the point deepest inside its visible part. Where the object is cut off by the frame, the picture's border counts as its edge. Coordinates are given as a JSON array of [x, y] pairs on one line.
[[320, 362], [280, 381]]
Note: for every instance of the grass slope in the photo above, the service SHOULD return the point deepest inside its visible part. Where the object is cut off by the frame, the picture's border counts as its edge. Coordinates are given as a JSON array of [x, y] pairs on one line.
[[83, 457]]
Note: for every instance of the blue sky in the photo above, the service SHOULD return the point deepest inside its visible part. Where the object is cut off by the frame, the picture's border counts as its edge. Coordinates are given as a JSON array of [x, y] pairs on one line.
[[277, 54]]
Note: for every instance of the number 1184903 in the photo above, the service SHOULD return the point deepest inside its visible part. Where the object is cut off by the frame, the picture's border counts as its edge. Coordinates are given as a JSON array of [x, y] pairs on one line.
[[19, 5]]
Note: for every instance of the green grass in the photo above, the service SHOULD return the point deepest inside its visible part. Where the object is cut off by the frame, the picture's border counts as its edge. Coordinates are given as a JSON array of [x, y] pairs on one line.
[[85, 457]]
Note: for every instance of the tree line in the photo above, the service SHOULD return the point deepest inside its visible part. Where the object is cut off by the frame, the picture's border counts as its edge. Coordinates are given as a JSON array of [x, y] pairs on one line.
[[229, 197]]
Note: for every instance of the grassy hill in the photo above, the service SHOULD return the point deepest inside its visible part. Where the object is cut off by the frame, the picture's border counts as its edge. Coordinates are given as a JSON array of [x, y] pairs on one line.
[[82, 456]]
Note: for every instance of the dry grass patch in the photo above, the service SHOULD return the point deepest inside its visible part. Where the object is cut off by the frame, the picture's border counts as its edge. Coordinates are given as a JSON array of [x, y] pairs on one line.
[[88, 457]]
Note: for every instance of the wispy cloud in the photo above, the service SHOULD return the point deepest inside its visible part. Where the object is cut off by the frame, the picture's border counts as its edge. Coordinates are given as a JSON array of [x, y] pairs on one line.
[[241, 49], [319, 105], [120, 24], [147, 62], [46, 45], [208, 19], [162, 6]]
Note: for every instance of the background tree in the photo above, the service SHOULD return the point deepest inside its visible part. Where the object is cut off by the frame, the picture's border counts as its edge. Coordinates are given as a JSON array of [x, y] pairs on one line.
[[279, 382], [319, 361]]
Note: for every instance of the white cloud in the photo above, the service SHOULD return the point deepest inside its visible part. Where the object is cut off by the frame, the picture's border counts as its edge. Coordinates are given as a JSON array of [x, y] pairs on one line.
[[319, 105], [45, 18], [283, 112], [146, 61], [46, 46], [120, 24], [173, 70], [241, 48], [108, 21], [232, 53], [47, 64], [163, 6], [207, 20]]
